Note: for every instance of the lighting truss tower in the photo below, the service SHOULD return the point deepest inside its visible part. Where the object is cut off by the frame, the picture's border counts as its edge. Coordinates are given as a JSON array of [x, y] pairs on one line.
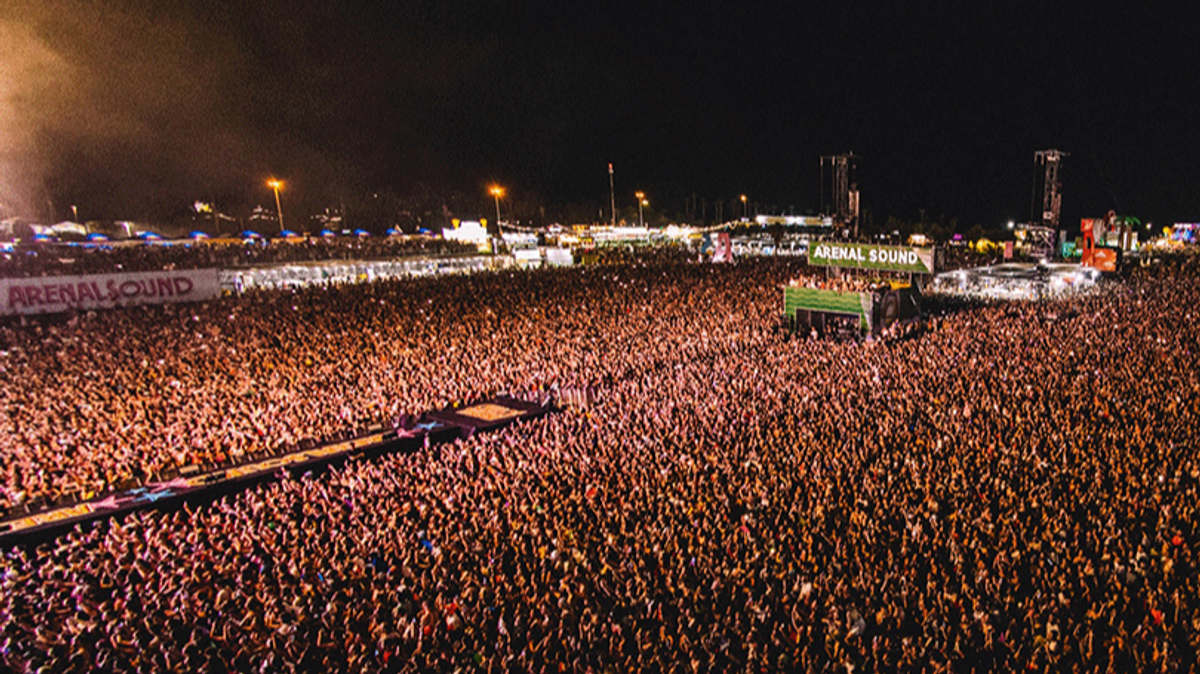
[[842, 196], [1048, 163]]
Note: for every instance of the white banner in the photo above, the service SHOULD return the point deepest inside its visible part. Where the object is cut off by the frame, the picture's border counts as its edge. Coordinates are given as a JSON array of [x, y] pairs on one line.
[[53, 294]]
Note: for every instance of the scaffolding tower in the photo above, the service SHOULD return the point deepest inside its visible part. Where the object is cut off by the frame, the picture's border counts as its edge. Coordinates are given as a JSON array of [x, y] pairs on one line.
[[1048, 163], [840, 200]]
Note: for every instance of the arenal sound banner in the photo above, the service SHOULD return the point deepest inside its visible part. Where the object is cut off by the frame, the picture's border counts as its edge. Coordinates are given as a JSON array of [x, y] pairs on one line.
[[53, 294], [868, 256]]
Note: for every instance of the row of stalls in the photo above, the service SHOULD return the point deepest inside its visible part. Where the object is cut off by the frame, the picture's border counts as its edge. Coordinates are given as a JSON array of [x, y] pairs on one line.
[[342, 272]]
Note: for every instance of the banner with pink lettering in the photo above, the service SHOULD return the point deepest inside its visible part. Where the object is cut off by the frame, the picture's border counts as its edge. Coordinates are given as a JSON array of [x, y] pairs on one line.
[[54, 294]]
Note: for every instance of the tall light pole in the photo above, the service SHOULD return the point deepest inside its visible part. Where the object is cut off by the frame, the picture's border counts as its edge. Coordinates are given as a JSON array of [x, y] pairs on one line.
[[497, 192], [745, 215], [277, 185], [641, 197], [612, 195], [75, 219]]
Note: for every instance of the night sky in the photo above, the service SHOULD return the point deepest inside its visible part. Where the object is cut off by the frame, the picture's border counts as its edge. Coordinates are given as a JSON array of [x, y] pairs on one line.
[[134, 109]]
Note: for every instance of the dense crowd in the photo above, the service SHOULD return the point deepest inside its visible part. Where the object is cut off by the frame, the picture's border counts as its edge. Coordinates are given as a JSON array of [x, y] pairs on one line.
[[102, 400], [1016, 489], [962, 257], [839, 283], [52, 259]]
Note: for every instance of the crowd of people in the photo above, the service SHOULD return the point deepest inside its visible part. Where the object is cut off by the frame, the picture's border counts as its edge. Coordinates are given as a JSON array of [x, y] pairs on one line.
[[54, 259], [104, 400], [837, 283], [1016, 489]]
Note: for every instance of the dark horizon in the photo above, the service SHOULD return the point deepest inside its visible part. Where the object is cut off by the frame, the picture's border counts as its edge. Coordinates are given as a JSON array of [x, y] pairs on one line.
[[137, 110]]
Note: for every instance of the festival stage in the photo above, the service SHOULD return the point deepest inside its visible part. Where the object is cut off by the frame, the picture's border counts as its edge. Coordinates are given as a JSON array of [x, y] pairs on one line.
[[432, 428], [1018, 281]]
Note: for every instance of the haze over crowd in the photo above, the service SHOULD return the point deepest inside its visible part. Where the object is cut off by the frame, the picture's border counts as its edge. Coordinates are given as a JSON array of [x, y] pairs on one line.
[[135, 109]]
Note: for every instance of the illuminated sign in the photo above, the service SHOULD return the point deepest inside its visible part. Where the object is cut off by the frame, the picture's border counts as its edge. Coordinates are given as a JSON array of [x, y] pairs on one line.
[[794, 220], [867, 256]]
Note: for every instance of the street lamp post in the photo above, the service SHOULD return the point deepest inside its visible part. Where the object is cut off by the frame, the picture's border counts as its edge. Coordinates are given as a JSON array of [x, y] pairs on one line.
[[75, 219], [497, 192], [745, 215], [641, 197], [612, 195], [277, 185]]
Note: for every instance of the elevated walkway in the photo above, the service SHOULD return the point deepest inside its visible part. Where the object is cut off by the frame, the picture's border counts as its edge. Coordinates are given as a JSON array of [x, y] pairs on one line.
[[432, 428]]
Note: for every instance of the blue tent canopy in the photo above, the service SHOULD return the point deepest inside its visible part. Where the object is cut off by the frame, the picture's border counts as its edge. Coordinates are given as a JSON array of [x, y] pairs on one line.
[[251, 234], [149, 236], [361, 232], [197, 235], [96, 236], [288, 233], [326, 232], [394, 231]]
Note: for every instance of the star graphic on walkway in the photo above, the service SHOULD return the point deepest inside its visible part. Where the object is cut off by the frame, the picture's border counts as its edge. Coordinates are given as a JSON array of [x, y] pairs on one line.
[[156, 495], [109, 503]]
